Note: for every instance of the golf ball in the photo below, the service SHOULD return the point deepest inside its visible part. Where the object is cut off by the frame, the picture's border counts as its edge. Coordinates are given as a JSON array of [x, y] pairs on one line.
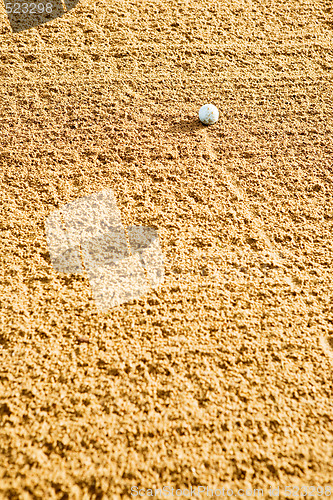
[[208, 114]]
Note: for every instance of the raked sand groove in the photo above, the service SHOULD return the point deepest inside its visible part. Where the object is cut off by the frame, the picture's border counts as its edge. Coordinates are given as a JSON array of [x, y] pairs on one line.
[[243, 202], [278, 257]]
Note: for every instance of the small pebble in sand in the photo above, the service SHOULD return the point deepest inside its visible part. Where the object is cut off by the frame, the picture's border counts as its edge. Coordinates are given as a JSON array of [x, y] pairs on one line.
[[83, 340]]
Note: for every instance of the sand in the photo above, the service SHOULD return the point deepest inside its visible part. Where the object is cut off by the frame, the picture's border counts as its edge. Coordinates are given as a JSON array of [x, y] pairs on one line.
[[221, 377]]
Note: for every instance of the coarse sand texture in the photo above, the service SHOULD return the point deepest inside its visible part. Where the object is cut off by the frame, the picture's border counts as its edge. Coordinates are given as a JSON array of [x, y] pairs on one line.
[[219, 376]]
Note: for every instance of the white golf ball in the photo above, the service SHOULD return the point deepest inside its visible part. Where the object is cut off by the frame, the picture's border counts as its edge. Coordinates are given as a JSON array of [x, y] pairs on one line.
[[208, 114]]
